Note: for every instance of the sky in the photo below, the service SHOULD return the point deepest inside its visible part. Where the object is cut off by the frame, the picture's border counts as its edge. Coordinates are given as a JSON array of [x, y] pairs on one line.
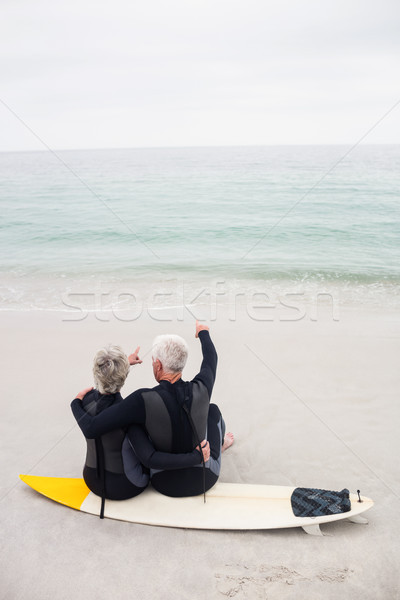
[[85, 74]]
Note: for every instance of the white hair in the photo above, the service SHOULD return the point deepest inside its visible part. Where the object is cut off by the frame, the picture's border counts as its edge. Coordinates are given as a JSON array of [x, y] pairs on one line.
[[172, 351], [110, 369]]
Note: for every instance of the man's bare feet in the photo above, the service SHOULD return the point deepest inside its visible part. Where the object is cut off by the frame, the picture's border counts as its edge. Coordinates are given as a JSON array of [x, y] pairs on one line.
[[228, 441]]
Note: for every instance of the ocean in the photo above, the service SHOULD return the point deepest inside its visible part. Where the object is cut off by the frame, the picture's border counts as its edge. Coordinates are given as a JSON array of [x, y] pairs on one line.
[[159, 223]]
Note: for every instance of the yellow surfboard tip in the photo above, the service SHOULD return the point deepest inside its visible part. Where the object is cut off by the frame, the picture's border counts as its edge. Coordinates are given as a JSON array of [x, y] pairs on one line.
[[65, 490]]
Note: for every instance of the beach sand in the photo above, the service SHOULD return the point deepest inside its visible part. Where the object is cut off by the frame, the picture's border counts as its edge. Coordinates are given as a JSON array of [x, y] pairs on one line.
[[311, 403]]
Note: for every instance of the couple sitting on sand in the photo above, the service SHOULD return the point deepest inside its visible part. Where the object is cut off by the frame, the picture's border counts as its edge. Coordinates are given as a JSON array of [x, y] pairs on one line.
[[154, 433]]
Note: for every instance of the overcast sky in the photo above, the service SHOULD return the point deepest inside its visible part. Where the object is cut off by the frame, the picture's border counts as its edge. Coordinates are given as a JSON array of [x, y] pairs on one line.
[[96, 74]]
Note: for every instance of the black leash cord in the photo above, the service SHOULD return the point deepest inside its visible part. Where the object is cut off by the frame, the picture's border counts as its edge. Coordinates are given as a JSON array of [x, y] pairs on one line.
[[101, 472], [192, 425]]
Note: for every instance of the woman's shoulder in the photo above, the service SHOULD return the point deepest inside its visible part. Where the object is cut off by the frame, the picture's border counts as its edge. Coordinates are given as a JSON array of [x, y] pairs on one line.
[[99, 402], [90, 397]]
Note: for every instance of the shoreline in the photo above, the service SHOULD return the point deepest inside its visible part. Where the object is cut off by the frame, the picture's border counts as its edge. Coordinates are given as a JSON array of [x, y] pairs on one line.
[[202, 294], [224, 314]]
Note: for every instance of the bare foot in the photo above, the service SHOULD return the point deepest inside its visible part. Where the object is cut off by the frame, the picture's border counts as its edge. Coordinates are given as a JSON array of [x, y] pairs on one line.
[[228, 441]]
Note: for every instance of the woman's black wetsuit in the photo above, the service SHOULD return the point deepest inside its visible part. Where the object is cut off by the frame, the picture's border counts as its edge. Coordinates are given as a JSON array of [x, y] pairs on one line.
[[123, 475], [160, 410]]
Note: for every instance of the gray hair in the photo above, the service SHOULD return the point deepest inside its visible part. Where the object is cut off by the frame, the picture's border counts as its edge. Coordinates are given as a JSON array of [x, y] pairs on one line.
[[110, 369], [172, 351]]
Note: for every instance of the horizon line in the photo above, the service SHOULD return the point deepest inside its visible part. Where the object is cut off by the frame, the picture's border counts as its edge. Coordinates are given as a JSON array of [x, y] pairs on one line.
[[186, 146]]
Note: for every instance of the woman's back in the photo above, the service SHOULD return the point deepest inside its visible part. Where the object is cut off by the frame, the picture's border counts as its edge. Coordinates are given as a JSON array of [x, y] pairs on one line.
[[94, 403], [104, 466]]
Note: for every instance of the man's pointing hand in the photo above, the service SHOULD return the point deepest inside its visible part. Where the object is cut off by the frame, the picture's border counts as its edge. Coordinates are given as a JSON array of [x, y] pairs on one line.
[[200, 327]]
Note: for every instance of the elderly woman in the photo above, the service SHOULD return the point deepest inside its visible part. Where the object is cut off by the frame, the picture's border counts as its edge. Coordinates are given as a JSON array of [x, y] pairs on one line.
[[175, 413], [112, 469]]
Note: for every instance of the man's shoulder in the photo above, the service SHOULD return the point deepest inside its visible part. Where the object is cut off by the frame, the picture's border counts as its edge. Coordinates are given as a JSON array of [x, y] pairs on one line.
[[199, 386], [138, 394]]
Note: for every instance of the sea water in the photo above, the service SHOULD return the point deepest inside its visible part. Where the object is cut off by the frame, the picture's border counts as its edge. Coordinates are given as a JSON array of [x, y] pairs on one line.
[[159, 223]]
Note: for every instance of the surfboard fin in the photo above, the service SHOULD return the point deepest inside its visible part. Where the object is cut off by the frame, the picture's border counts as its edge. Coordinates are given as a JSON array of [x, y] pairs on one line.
[[358, 519], [312, 529]]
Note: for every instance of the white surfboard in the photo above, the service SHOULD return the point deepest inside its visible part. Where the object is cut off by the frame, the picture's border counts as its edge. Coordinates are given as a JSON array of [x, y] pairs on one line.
[[233, 506]]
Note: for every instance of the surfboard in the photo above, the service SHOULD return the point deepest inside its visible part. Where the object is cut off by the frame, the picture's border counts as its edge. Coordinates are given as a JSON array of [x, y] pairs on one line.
[[229, 506]]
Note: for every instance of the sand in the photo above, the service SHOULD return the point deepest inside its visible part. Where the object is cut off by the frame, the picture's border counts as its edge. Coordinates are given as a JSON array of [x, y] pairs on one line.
[[311, 403]]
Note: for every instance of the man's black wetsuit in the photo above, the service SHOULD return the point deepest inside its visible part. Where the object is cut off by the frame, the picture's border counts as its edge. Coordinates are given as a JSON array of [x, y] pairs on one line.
[[160, 411], [111, 465]]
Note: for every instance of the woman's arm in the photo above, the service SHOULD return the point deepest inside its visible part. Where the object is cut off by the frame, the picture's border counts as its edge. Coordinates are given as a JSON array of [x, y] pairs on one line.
[[153, 459], [121, 414]]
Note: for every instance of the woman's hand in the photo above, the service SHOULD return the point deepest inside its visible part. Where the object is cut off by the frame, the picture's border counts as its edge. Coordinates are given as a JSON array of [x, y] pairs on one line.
[[205, 448], [83, 393], [134, 358]]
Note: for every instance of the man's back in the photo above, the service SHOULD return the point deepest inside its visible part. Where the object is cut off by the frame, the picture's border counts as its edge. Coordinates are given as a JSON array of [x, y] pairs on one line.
[[166, 420]]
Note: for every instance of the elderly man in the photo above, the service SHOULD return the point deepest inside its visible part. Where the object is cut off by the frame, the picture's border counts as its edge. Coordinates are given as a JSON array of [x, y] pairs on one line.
[[175, 414]]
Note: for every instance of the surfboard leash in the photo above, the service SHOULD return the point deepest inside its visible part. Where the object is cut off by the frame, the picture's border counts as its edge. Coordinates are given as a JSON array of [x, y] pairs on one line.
[[101, 471], [196, 435]]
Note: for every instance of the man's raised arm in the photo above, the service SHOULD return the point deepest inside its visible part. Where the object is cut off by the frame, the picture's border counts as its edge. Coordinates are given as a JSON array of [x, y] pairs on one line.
[[208, 368]]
